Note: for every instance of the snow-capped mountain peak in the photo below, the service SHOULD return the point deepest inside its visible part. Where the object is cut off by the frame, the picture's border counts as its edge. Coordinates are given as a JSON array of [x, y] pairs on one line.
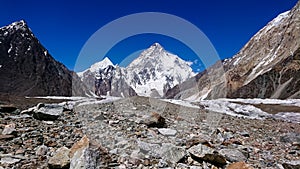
[[157, 70], [97, 66], [101, 65], [151, 74], [15, 26]]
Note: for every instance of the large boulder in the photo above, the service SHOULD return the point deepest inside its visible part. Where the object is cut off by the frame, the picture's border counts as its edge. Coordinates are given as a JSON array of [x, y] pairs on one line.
[[48, 112]]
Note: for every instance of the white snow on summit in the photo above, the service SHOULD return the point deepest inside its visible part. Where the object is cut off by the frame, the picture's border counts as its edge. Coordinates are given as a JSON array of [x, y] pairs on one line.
[[151, 74], [96, 66], [157, 70]]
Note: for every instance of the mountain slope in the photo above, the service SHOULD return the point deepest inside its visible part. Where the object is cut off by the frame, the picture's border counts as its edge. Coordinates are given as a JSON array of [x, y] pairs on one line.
[[88, 76], [27, 68], [112, 81], [270, 52]]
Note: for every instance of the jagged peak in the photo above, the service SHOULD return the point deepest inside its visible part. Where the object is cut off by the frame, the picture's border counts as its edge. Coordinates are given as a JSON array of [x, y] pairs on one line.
[[16, 25], [156, 45]]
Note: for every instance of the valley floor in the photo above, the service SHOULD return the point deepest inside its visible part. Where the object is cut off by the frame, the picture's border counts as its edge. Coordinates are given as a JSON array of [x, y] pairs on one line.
[[140, 132]]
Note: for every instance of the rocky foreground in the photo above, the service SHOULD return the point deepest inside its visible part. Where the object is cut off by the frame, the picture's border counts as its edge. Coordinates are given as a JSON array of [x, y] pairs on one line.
[[139, 132]]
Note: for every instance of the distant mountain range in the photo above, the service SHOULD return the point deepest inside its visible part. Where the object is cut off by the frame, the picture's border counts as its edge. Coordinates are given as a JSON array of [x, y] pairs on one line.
[[268, 66], [27, 68], [153, 73]]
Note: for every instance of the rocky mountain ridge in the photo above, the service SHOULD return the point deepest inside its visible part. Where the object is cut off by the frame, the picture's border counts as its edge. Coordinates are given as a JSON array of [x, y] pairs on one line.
[[151, 74], [27, 68], [266, 67]]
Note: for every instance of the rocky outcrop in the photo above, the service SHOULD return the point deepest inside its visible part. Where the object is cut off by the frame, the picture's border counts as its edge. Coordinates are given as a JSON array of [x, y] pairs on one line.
[[112, 81], [27, 68], [282, 81], [266, 67]]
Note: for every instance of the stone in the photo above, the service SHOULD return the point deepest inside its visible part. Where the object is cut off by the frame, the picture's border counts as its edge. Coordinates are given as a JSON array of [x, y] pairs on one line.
[[155, 120], [9, 160], [233, 155], [9, 129], [239, 165], [244, 134], [41, 150], [172, 153], [60, 159], [68, 106], [290, 138], [48, 112], [204, 153], [80, 145], [291, 165], [167, 132], [150, 149], [82, 155], [227, 135], [181, 165], [6, 137], [20, 151]]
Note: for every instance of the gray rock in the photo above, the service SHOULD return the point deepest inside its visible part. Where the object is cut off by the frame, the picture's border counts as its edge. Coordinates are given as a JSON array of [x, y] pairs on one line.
[[204, 153], [84, 154], [200, 150], [181, 165], [244, 133], [167, 132], [41, 150], [233, 155], [290, 138], [48, 112], [9, 160], [68, 106], [154, 120], [172, 153], [227, 135], [78, 160], [60, 159], [292, 165], [150, 149], [9, 129]]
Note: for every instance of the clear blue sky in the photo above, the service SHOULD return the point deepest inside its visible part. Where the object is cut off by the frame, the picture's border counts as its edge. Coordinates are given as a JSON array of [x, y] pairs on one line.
[[63, 27]]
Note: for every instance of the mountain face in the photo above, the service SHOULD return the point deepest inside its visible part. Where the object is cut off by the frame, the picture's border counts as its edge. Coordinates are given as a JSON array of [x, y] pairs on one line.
[[155, 71], [151, 74], [266, 67], [112, 81], [27, 69], [88, 76], [104, 78]]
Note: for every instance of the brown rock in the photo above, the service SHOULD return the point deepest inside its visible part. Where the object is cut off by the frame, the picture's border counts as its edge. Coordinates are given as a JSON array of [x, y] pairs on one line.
[[239, 165], [60, 159], [155, 120], [6, 137], [80, 145]]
